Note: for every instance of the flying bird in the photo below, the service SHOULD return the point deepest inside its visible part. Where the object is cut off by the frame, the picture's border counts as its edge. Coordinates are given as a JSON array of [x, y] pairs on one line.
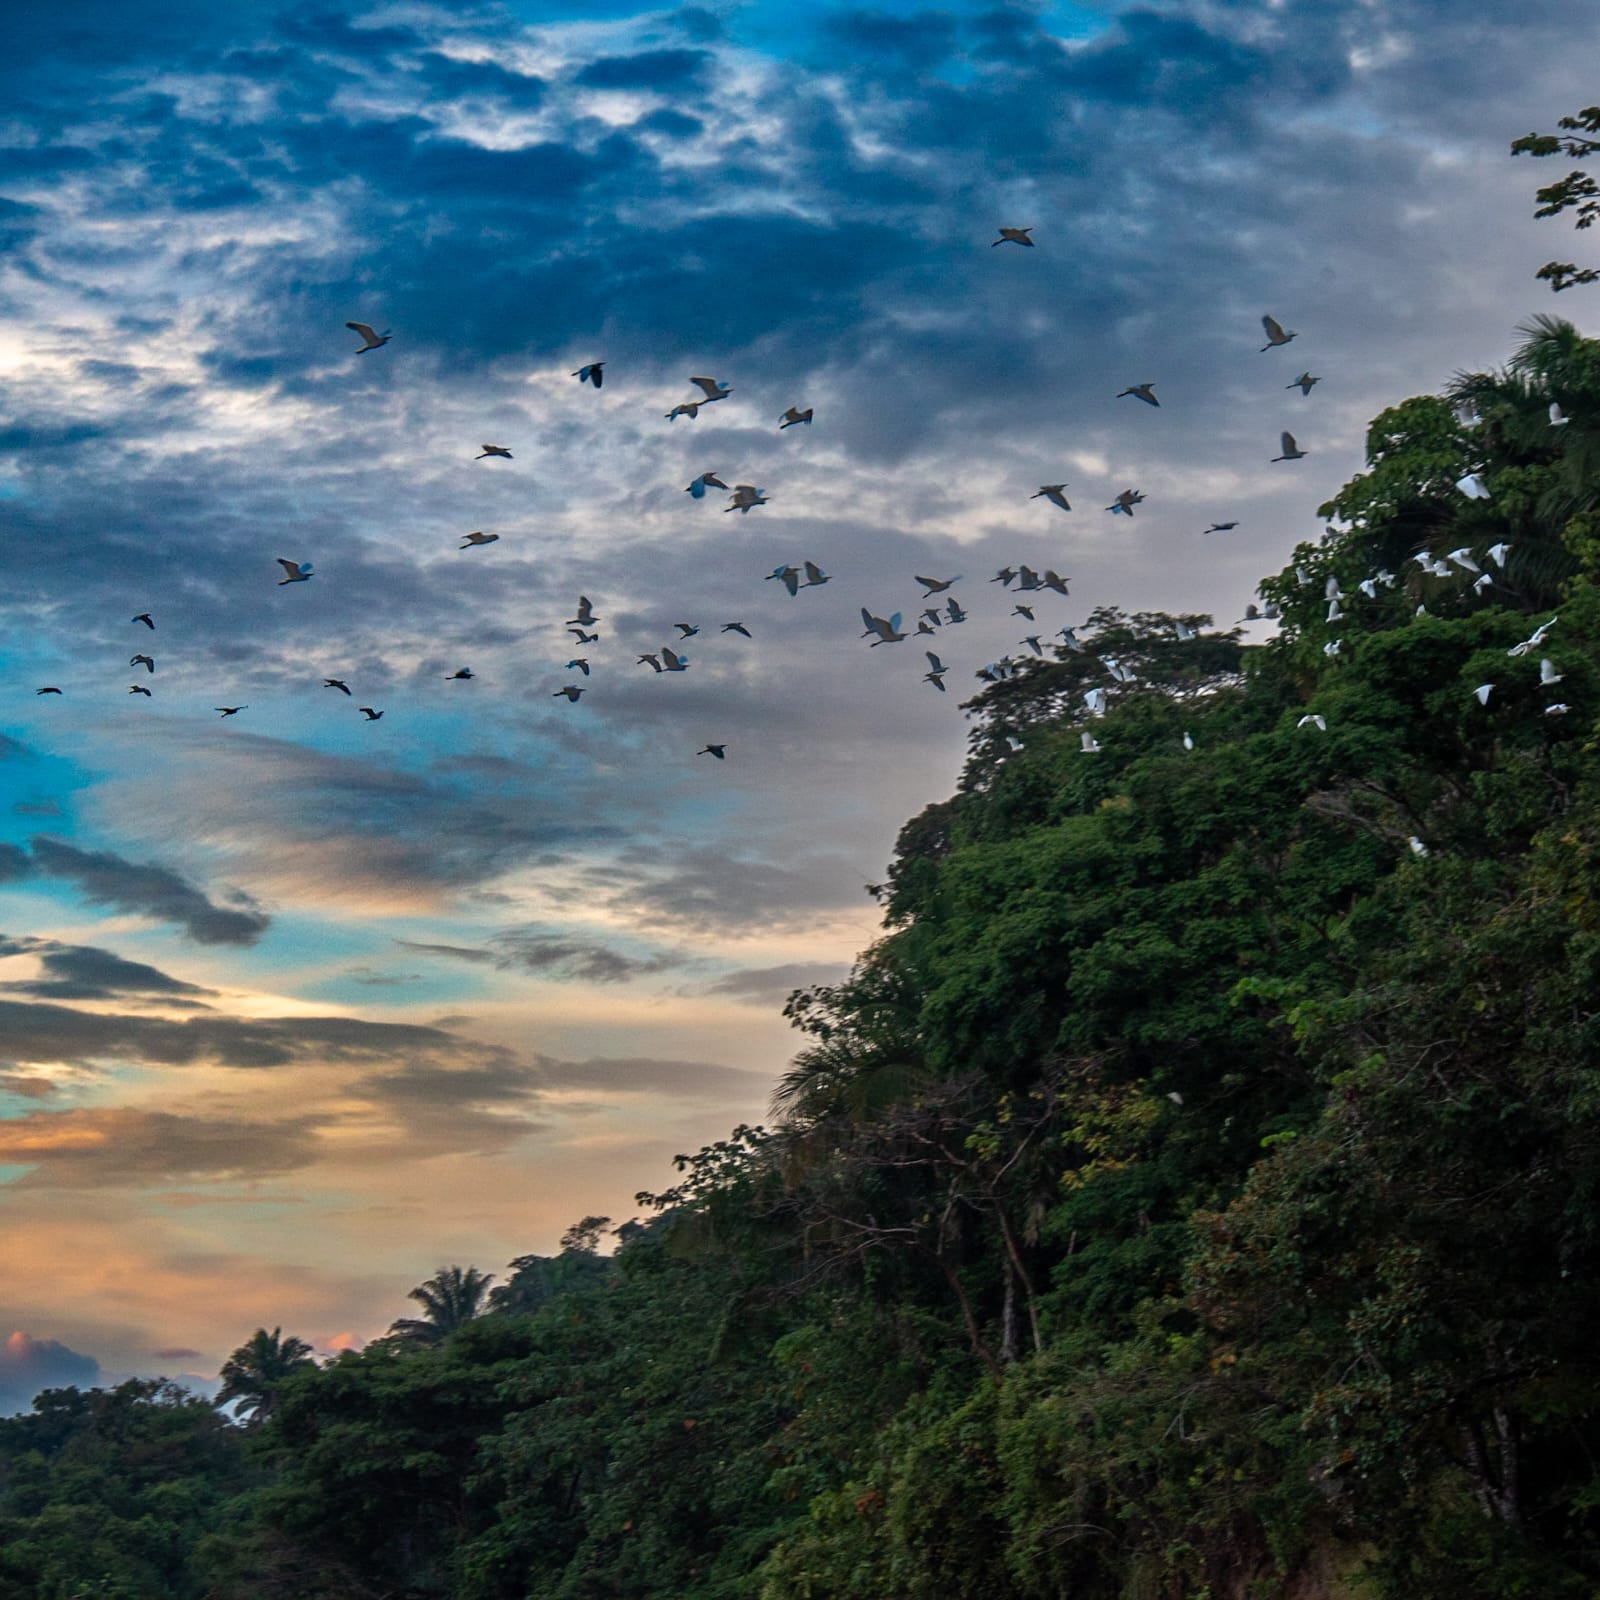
[[373, 339], [571, 691], [592, 373], [1463, 559], [791, 416], [1291, 451], [369, 713], [815, 576], [736, 627], [712, 389], [717, 750], [1275, 333], [888, 631], [685, 408], [585, 617], [1558, 418], [1141, 391], [1013, 236], [1316, 719], [1027, 578], [1053, 581], [671, 661], [1559, 709], [1125, 502], [336, 683], [935, 665], [147, 662], [1052, 493], [1304, 381], [1004, 576], [581, 663], [464, 674], [145, 618], [1088, 743], [584, 638], [1548, 673], [48, 689], [1472, 487], [1032, 641], [954, 611], [1497, 553], [494, 450], [139, 688], [651, 659], [687, 629], [230, 711], [1220, 527], [706, 480], [789, 577], [1022, 611], [1483, 692], [298, 571], [745, 495], [934, 585], [477, 538]]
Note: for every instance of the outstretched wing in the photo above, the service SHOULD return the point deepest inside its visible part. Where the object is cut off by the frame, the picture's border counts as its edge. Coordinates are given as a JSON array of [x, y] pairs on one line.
[[1273, 327]]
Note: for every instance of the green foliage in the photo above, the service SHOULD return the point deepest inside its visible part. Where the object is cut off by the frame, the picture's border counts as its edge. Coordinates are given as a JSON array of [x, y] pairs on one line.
[[1577, 191]]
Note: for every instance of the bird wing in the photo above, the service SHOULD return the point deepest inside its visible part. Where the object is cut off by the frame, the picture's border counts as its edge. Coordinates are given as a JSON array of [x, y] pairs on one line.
[[1274, 329], [1287, 444], [934, 661], [365, 332], [710, 385], [291, 567]]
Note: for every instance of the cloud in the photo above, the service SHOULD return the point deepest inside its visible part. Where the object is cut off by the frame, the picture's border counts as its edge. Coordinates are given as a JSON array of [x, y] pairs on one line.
[[665, 70], [633, 1075], [176, 1353], [29, 1365], [107, 879], [83, 972], [774, 985]]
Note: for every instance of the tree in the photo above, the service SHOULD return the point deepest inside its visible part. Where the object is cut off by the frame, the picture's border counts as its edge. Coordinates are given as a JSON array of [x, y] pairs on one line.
[[1577, 191], [452, 1297], [253, 1374]]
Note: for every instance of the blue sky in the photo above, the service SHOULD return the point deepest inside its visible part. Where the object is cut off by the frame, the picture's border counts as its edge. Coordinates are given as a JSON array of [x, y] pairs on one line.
[[297, 1006]]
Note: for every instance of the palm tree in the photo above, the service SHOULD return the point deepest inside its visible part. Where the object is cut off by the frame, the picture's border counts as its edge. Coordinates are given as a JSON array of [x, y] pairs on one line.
[[451, 1297], [253, 1373]]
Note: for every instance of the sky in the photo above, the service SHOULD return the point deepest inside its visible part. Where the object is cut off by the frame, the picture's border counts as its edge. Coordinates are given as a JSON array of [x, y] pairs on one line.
[[298, 1006]]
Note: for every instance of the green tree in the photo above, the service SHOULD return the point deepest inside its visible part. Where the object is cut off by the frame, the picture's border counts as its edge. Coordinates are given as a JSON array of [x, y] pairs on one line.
[[254, 1373], [1577, 191], [450, 1299]]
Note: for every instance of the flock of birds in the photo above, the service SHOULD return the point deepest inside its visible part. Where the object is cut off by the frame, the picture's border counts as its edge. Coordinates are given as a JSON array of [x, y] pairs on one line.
[[881, 630]]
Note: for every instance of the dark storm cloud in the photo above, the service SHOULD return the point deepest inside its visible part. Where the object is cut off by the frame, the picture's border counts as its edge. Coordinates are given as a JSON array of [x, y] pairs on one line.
[[451, 78], [29, 1365], [105, 878], [83, 972], [651, 69], [37, 1032], [774, 985], [920, 41]]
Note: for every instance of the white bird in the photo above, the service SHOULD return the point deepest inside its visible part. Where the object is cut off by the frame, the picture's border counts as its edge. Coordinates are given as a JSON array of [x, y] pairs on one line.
[[1140, 391], [1463, 559], [477, 538], [571, 691], [1483, 691], [1291, 451], [649, 659], [1548, 673], [935, 585], [671, 661], [935, 665], [1334, 613], [1303, 382], [954, 612], [1369, 588], [1185, 632], [706, 480], [592, 373], [1032, 642], [1482, 583], [1088, 743], [494, 450], [1418, 848], [1053, 581], [1094, 702], [712, 389], [789, 577], [1331, 590], [685, 408], [1125, 502], [1472, 487], [1558, 418], [791, 416], [581, 663], [1275, 333], [1535, 638], [1315, 718], [1497, 553], [1175, 1097], [1331, 648], [745, 495], [373, 339], [585, 617], [298, 571], [1014, 236], [1027, 578], [888, 631], [1557, 710], [1052, 493], [1188, 742], [1014, 742]]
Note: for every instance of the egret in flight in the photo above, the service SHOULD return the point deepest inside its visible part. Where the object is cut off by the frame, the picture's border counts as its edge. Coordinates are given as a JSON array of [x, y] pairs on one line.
[[1014, 236], [592, 373], [1275, 333], [373, 339]]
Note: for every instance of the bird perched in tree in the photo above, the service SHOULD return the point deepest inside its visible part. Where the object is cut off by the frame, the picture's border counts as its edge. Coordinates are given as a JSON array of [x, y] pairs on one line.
[[369, 713], [336, 683], [145, 618], [1014, 236], [494, 450], [792, 416], [297, 571], [373, 339], [1275, 333], [465, 674], [144, 661], [1291, 451], [592, 373], [706, 480], [571, 691], [934, 586], [1052, 493], [717, 750], [1141, 391], [1188, 741], [581, 663], [736, 627], [477, 538], [230, 711], [1304, 381], [789, 577], [1418, 848], [139, 688]]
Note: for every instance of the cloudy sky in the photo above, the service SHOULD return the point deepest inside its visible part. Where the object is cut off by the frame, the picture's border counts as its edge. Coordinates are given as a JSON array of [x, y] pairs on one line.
[[297, 1006]]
